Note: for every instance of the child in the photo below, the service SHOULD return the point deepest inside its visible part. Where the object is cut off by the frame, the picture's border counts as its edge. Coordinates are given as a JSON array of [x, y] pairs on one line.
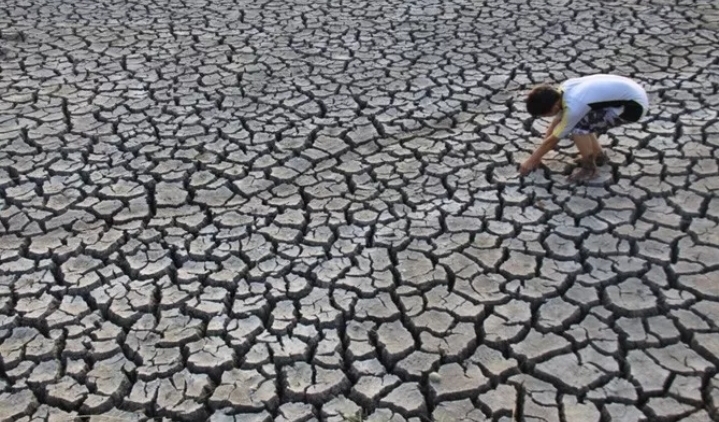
[[584, 108]]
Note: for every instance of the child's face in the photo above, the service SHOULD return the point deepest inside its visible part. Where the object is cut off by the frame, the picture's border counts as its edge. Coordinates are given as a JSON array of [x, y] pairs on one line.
[[554, 110]]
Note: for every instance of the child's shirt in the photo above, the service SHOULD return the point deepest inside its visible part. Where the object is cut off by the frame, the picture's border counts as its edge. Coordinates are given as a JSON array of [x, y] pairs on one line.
[[581, 95]]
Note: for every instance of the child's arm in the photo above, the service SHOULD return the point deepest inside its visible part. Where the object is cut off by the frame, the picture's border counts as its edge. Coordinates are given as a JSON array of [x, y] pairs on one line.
[[555, 122], [566, 119], [533, 161]]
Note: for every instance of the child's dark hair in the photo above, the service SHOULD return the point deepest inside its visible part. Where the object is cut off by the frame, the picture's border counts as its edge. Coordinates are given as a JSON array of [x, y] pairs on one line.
[[541, 100]]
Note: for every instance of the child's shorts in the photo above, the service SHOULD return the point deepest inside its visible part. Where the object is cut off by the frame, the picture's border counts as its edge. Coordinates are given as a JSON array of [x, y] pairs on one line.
[[599, 121]]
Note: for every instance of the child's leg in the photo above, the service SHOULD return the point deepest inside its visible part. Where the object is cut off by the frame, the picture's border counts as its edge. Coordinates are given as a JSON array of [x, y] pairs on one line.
[[585, 145], [600, 157]]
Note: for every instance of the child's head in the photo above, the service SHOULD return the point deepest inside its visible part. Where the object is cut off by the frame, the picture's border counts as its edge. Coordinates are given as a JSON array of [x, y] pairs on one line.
[[544, 101]]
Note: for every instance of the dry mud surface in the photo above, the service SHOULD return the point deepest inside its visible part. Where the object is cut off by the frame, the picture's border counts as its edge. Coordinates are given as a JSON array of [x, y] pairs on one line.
[[307, 210]]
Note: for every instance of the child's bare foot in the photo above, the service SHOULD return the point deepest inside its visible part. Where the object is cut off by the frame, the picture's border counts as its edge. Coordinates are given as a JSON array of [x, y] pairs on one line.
[[583, 175], [602, 159], [587, 170]]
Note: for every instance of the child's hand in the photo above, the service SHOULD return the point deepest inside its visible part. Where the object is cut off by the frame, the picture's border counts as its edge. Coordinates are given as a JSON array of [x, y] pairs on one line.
[[527, 166]]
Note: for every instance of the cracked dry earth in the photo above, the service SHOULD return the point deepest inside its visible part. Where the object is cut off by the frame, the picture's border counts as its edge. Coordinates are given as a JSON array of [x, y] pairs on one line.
[[310, 211]]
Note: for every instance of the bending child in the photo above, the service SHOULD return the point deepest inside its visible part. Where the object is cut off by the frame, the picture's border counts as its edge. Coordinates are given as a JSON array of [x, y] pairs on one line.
[[584, 108]]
